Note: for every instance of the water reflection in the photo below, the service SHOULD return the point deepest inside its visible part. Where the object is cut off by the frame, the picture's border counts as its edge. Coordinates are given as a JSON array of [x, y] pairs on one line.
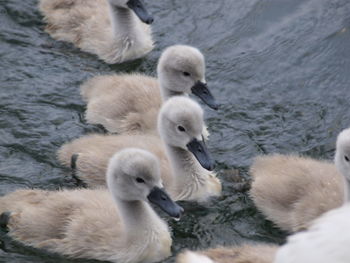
[[279, 68]]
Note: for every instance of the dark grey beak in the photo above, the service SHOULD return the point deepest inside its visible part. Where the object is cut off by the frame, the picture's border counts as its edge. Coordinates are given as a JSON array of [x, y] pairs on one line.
[[161, 198], [140, 10], [201, 90], [201, 153]]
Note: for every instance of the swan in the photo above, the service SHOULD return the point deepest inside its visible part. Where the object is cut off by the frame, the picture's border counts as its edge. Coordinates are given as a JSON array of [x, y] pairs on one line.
[[129, 103], [114, 30], [117, 225], [237, 254], [292, 191], [183, 155], [328, 238]]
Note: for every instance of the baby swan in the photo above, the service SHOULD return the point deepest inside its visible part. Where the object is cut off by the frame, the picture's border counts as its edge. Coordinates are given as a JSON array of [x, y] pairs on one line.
[[129, 103], [110, 29], [116, 225], [183, 155], [328, 239], [292, 191], [236, 254]]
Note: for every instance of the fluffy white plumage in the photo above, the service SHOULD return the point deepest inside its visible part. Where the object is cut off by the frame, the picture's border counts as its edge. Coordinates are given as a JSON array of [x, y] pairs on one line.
[[328, 239], [193, 257], [118, 225], [106, 28]]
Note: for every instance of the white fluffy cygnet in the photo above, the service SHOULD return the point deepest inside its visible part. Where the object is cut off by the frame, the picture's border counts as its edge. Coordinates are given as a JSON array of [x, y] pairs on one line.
[[114, 30], [116, 225]]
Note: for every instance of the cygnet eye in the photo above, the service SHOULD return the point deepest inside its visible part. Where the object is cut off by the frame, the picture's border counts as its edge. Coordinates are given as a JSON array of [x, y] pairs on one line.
[[180, 128], [140, 180], [346, 158], [187, 74]]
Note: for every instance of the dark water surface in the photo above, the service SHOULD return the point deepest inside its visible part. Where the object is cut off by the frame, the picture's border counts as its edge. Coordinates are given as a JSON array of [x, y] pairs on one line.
[[280, 68]]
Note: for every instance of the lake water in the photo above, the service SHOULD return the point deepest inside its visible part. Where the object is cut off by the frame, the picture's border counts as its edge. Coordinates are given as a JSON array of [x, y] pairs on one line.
[[280, 69]]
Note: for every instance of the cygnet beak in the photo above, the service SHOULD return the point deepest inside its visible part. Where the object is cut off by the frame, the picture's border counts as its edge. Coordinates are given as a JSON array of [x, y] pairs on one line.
[[200, 151], [201, 90], [160, 198], [140, 10]]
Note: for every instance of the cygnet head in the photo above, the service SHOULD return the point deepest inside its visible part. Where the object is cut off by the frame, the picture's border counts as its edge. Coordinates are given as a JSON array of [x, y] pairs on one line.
[[133, 175], [138, 6], [181, 70], [180, 124], [342, 157]]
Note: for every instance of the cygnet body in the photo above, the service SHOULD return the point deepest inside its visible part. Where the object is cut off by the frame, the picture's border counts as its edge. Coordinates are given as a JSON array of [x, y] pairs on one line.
[[292, 191], [116, 225], [237, 254], [328, 238], [184, 158], [129, 103], [114, 30]]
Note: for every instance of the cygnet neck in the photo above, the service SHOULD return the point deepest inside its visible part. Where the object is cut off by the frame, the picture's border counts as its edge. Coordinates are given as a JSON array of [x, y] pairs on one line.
[[165, 90], [346, 191], [167, 93], [122, 20], [136, 216], [186, 171], [343, 170]]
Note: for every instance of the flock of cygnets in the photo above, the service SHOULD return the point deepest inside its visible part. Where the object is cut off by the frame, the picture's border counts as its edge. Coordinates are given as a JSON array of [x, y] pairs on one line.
[[155, 152]]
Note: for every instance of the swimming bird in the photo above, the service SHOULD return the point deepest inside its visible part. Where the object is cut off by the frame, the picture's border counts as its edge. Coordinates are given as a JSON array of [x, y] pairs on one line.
[[114, 30], [184, 158], [129, 103], [292, 191], [328, 238], [261, 253], [117, 225]]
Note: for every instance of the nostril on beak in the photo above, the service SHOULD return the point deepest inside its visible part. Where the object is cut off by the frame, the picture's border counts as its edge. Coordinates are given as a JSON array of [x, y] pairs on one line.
[[150, 20], [180, 212]]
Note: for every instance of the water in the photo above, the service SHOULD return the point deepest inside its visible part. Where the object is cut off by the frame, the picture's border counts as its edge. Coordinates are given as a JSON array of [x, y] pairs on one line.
[[280, 68]]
